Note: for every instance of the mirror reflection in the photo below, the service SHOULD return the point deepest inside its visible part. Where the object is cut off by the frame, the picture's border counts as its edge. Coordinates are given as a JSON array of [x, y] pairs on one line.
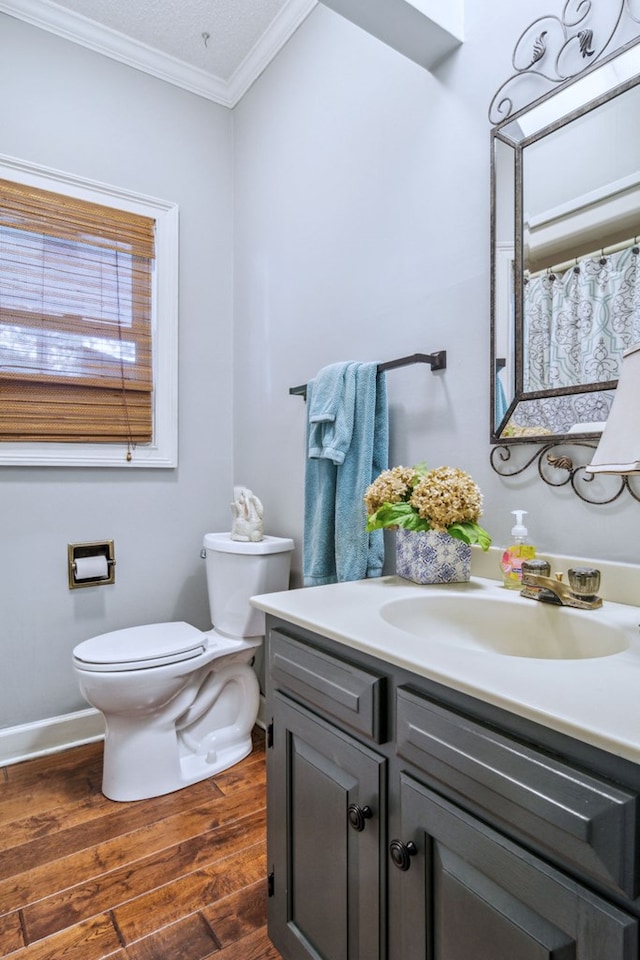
[[566, 254]]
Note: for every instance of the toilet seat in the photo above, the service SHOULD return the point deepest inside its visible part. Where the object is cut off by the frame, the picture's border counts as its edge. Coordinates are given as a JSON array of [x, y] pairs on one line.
[[138, 648]]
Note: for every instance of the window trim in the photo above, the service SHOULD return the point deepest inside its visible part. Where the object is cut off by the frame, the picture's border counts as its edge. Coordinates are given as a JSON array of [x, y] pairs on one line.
[[163, 450]]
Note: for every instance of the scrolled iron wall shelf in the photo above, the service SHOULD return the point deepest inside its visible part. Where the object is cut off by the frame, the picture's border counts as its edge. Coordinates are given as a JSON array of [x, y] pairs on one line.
[[558, 469]]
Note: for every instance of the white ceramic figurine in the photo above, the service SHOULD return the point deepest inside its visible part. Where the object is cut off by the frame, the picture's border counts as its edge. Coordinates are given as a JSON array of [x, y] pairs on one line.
[[247, 514]]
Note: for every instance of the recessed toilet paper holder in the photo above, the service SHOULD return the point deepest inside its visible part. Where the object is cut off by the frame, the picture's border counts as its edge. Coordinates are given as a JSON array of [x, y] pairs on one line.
[[91, 564]]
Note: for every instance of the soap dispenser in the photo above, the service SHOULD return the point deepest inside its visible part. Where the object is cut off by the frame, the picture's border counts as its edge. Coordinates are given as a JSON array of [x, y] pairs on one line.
[[519, 550]]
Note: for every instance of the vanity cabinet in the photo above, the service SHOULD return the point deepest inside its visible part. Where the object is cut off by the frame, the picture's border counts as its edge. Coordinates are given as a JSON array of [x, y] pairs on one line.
[[409, 822], [325, 846], [326, 793]]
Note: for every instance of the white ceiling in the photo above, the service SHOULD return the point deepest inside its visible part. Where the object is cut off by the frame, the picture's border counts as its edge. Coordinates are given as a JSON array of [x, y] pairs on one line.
[[215, 48]]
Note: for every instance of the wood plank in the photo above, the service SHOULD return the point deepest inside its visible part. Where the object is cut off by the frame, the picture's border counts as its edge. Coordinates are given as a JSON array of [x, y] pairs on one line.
[[10, 932], [190, 937], [64, 787], [191, 864], [133, 880], [55, 766], [92, 940], [239, 914], [59, 874], [139, 917], [77, 825], [253, 771], [256, 946]]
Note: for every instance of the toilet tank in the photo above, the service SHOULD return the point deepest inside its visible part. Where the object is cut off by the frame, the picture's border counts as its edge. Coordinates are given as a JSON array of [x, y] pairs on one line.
[[237, 571]]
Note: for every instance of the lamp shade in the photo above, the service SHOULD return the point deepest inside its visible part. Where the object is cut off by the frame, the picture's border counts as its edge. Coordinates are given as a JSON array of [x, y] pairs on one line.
[[619, 447]]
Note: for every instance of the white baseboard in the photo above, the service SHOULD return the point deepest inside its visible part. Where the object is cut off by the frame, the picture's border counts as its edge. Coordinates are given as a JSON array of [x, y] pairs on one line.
[[50, 736]]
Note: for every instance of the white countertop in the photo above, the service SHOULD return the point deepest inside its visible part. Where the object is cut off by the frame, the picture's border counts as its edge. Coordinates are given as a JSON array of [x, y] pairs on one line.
[[596, 700]]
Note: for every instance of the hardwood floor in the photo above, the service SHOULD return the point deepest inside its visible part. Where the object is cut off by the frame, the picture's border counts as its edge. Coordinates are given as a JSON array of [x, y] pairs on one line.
[[180, 877]]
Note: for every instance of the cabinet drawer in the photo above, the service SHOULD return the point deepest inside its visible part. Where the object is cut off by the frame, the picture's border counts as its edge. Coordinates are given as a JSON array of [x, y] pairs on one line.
[[336, 687], [578, 819]]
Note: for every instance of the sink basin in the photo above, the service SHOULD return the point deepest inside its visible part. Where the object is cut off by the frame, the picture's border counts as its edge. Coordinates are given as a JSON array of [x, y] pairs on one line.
[[510, 626]]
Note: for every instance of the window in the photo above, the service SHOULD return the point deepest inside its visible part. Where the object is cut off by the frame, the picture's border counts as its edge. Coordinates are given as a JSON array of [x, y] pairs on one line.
[[87, 323]]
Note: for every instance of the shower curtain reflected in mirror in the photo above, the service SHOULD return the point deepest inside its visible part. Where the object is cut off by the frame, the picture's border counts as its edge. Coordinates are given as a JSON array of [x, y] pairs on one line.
[[577, 324]]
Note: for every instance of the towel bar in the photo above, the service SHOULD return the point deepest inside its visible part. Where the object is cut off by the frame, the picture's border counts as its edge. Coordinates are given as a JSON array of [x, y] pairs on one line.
[[437, 361]]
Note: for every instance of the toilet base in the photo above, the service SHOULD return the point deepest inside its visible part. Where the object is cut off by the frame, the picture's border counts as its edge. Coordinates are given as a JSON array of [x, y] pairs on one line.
[[194, 768], [144, 759], [154, 780]]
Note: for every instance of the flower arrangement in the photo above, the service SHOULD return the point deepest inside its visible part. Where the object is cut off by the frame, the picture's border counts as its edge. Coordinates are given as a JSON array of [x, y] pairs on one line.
[[445, 499]]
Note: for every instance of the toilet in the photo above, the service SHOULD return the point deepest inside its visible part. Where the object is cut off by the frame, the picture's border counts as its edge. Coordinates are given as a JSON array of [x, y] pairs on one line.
[[179, 703]]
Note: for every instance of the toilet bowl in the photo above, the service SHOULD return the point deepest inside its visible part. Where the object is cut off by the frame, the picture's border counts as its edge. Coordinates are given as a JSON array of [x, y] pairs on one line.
[[180, 703]]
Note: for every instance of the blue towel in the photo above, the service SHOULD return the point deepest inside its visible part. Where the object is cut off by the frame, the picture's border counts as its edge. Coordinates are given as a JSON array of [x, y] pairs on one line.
[[330, 411], [343, 458], [501, 402]]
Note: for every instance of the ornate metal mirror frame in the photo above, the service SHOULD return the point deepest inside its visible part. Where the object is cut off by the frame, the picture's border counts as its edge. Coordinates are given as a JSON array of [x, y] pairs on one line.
[[565, 69]]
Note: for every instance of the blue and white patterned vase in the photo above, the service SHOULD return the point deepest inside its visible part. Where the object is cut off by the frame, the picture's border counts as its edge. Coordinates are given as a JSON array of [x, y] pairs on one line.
[[431, 557]]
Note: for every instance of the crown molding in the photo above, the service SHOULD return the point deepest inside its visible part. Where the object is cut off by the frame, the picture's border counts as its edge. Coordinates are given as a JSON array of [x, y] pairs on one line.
[[270, 43], [111, 43]]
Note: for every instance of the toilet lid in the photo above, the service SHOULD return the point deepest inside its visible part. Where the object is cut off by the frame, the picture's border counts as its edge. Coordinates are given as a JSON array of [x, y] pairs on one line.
[[136, 648]]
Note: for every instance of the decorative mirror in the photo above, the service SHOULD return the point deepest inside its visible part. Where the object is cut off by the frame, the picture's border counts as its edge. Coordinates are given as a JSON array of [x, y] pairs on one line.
[[565, 162]]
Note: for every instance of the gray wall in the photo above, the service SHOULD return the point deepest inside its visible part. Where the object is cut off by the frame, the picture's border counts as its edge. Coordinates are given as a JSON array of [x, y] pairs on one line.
[[68, 108], [360, 230]]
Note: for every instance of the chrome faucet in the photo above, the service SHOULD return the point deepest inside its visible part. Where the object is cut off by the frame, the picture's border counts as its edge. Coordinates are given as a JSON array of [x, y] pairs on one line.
[[581, 590]]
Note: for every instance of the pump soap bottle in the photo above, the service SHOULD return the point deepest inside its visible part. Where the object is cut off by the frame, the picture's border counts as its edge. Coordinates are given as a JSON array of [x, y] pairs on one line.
[[519, 550]]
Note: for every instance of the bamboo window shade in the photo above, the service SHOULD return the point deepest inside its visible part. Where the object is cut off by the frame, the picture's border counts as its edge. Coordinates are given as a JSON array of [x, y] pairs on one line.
[[75, 320]]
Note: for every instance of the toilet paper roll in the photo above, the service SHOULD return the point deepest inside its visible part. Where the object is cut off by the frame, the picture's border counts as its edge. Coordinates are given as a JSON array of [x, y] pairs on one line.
[[88, 568]]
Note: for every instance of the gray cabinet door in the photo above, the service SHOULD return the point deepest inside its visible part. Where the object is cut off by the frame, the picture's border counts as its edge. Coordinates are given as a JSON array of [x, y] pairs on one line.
[[468, 892], [325, 836]]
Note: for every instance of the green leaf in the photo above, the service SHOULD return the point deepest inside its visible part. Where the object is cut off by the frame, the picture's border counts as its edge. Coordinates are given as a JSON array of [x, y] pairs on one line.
[[470, 533], [397, 515]]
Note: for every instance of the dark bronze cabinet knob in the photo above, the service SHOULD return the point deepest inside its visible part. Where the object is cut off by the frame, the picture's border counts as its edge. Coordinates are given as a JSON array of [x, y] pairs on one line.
[[358, 816], [401, 853]]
